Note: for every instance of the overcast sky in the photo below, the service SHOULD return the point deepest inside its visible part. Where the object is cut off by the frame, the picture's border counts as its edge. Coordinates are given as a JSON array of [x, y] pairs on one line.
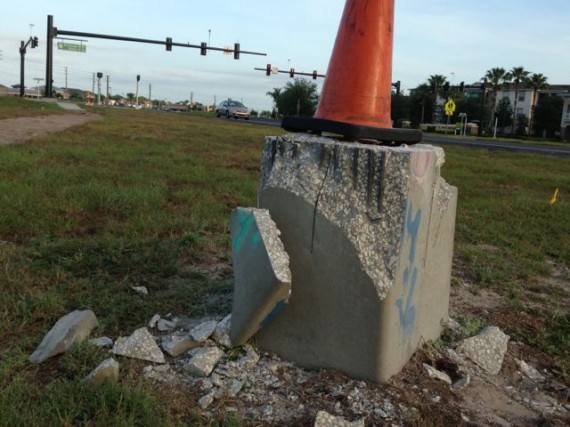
[[460, 40]]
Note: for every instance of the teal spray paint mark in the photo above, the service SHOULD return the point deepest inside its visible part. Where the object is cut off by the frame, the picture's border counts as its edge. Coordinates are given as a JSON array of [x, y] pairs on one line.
[[248, 232]]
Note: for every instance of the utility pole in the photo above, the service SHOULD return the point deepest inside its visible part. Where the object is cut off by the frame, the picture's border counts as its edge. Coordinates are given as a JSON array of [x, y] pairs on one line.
[[108, 95], [150, 94], [137, 94], [93, 86], [99, 75], [66, 95], [191, 99]]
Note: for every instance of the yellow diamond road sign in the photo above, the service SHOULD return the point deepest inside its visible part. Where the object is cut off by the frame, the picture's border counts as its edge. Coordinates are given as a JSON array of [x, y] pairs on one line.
[[449, 107]]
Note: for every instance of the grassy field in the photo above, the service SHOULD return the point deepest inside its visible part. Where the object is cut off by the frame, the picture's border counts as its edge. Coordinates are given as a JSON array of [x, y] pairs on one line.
[[143, 198], [11, 106]]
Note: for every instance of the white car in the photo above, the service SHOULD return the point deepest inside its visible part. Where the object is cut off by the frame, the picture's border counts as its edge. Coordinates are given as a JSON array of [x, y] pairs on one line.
[[233, 109]]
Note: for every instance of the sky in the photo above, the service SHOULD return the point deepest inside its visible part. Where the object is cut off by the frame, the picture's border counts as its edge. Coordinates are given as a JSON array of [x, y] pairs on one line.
[[460, 40]]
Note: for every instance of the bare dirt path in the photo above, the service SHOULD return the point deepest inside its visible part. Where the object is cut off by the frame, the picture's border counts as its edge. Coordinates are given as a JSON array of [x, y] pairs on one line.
[[22, 129]]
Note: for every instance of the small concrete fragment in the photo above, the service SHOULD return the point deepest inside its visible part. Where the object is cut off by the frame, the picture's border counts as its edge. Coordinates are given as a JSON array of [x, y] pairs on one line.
[[165, 325], [436, 374], [530, 371], [140, 289], [487, 349], [204, 360], [101, 342], [261, 270], [140, 345], [204, 330], [106, 372], [206, 400], [222, 333], [324, 419], [176, 345], [462, 383], [72, 328], [152, 322]]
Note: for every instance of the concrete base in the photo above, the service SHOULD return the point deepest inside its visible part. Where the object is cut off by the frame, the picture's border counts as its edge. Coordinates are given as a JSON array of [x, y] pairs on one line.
[[369, 232]]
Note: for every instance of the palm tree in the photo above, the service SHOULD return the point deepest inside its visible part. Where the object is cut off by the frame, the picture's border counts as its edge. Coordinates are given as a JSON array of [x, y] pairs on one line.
[[519, 75], [537, 82], [436, 82], [498, 78], [275, 94]]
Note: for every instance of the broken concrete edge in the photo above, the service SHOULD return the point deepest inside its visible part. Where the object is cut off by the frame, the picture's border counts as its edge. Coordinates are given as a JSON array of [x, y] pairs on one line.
[[269, 234], [371, 208], [262, 277]]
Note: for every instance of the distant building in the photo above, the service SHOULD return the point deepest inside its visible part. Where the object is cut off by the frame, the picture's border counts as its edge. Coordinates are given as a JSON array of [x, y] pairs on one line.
[[565, 122]]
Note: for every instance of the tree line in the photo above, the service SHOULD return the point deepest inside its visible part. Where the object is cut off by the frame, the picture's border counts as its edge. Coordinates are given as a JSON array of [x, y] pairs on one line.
[[423, 104]]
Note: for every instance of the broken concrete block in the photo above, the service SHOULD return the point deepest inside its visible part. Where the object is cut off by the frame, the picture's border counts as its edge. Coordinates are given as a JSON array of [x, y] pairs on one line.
[[152, 322], [101, 342], [165, 325], [106, 372], [261, 272], [204, 360], [71, 328], [204, 330], [140, 345], [369, 232], [222, 333], [324, 419], [176, 345], [436, 374], [487, 349]]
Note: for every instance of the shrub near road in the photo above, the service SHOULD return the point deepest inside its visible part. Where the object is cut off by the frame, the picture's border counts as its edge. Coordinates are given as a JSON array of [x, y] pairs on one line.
[[143, 199]]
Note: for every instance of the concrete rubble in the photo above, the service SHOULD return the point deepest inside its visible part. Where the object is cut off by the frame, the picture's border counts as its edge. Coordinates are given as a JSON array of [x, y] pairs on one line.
[[324, 419], [438, 375], [106, 372], [101, 342], [140, 345], [487, 349], [261, 387], [72, 328]]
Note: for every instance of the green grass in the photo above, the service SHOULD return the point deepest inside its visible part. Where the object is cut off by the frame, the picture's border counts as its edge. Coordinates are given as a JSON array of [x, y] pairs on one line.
[[13, 106], [142, 198]]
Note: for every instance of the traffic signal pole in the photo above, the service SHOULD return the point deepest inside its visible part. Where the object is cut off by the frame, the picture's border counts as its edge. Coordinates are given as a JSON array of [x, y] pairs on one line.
[[23, 46], [53, 32]]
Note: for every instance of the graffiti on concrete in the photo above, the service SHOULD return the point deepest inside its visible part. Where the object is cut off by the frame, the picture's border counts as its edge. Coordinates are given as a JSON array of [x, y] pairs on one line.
[[247, 233], [406, 307]]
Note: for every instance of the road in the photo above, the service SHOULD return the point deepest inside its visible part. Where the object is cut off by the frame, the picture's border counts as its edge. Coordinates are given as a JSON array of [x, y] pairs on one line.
[[499, 145]]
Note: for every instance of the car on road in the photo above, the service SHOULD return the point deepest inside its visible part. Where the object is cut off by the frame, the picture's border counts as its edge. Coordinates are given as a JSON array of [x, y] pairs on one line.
[[233, 109]]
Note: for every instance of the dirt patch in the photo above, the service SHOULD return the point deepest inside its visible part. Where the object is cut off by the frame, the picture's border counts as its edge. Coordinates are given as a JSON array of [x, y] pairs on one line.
[[22, 129]]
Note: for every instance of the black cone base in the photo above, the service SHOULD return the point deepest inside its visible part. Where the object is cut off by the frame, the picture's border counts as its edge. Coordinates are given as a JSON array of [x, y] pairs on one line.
[[352, 132]]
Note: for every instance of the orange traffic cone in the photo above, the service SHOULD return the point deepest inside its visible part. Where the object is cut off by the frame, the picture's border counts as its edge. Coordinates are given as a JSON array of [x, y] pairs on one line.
[[356, 95]]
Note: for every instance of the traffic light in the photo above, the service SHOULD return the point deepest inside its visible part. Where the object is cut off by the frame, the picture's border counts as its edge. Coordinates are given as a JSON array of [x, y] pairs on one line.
[[169, 44], [138, 77], [236, 50], [203, 48], [461, 86], [268, 70], [292, 72], [99, 75], [397, 86], [314, 74], [35, 42]]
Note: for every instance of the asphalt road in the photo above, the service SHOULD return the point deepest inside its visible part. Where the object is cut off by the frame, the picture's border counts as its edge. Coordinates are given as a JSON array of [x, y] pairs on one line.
[[500, 145], [557, 151]]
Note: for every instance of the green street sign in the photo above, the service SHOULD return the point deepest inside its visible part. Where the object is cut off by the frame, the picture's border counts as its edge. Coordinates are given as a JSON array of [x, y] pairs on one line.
[[72, 47]]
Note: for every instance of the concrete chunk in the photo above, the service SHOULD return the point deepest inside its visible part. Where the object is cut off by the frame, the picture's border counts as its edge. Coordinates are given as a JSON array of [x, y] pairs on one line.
[[176, 345], [204, 330], [71, 328], [204, 360], [324, 419], [369, 231], [487, 349], [222, 333], [261, 270], [106, 372], [140, 345]]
